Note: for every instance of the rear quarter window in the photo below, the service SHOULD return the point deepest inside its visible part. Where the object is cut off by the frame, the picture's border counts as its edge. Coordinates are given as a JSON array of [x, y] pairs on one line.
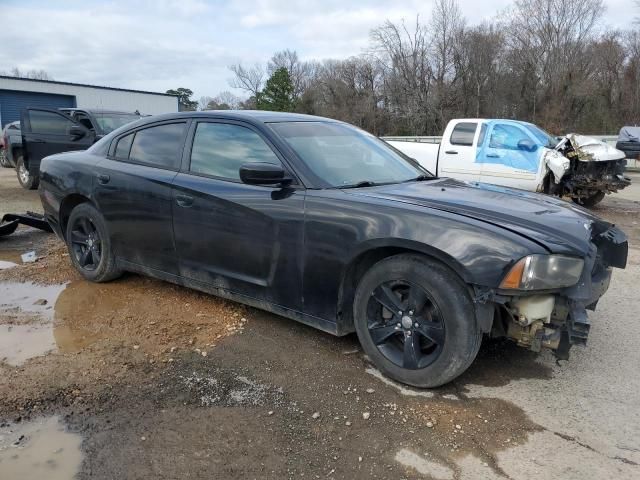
[[463, 134]]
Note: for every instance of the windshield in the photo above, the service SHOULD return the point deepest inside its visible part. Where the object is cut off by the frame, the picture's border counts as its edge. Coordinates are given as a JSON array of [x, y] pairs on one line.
[[543, 137], [344, 156], [108, 122]]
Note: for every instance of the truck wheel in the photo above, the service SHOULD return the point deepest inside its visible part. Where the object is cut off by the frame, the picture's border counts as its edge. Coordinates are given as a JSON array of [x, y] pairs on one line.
[[28, 181], [4, 161], [589, 201], [416, 321], [89, 244]]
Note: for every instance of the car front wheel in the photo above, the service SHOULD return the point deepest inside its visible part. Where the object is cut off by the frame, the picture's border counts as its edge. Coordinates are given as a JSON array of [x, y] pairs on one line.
[[416, 321], [589, 201], [89, 244], [26, 179]]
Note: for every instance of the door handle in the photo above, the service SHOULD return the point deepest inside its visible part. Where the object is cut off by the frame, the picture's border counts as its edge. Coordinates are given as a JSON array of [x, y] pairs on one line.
[[184, 200], [493, 155], [36, 140], [451, 152], [103, 179]]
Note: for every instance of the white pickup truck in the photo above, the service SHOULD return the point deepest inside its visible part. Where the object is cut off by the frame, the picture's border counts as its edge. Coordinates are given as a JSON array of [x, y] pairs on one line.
[[521, 155]]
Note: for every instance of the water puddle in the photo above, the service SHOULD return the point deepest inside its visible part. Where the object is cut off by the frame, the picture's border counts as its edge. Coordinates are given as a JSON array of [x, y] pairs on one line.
[[26, 313], [38, 450]]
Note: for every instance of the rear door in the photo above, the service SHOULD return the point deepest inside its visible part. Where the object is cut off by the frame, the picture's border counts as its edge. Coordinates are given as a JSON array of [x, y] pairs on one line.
[[133, 192], [45, 132], [458, 152]]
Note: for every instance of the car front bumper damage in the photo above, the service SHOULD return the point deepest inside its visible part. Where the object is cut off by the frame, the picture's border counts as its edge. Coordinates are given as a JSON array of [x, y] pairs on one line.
[[559, 320]]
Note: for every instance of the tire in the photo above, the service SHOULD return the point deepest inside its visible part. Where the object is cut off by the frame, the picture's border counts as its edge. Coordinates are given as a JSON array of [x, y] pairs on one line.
[[438, 318], [4, 161], [89, 245], [27, 181], [590, 201]]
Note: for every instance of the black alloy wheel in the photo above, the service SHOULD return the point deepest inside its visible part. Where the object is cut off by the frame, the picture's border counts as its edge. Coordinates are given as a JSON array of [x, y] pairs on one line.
[[86, 243], [405, 324]]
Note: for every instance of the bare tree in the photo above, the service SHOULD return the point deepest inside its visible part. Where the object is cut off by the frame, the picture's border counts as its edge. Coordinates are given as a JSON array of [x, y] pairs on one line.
[[446, 27], [249, 79], [33, 74], [403, 55], [301, 73], [204, 103]]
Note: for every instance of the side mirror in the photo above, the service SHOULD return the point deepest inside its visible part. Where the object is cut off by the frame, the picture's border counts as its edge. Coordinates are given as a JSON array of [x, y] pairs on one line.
[[527, 145], [76, 131], [262, 173]]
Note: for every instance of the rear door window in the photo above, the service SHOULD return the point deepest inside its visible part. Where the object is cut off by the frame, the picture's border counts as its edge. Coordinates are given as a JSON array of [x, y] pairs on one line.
[[463, 133], [159, 146]]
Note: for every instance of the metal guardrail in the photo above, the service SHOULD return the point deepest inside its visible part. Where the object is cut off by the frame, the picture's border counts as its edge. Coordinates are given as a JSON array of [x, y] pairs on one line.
[[418, 139]]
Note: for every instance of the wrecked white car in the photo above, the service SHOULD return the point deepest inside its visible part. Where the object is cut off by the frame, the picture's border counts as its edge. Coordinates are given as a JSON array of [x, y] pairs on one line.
[[521, 155]]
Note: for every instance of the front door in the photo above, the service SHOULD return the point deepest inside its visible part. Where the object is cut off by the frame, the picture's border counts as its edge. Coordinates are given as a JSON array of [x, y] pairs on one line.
[[45, 132], [242, 238], [509, 156], [133, 192]]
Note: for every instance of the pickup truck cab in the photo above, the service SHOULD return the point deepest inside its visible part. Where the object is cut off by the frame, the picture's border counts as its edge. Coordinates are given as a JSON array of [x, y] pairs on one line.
[[48, 131], [522, 155]]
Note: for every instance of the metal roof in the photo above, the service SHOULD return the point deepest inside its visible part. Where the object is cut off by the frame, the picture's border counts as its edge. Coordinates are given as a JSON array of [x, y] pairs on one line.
[[55, 82]]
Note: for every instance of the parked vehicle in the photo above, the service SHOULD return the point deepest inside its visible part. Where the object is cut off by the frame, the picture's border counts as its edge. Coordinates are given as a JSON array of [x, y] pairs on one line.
[[629, 142], [10, 142], [522, 155], [53, 131], [318, 221]]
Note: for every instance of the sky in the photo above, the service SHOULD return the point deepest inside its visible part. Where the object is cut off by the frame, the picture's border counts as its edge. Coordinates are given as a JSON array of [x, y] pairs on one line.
[[163, 44]]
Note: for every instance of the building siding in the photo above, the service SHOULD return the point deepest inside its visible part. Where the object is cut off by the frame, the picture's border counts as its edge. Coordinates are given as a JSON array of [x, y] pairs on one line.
[[13, 102], [86, 96]]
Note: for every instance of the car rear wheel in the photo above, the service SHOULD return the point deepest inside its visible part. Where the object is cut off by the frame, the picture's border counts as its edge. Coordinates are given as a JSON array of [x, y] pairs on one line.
[[590, 201], [26, 179], [415, 320], [89, 244]]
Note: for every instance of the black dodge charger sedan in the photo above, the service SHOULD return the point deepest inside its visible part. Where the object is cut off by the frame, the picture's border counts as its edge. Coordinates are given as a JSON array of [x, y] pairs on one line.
[[321, 222]]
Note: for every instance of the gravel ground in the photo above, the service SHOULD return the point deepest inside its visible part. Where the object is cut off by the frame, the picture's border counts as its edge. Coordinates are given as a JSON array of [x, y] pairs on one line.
[[142, 379]]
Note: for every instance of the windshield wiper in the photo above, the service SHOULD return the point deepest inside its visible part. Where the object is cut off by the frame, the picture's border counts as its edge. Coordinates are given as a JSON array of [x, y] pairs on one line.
[[422, 178], [363, 183]]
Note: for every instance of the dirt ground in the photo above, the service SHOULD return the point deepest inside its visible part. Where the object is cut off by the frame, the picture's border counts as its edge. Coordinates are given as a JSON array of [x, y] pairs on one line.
[[141, 379]]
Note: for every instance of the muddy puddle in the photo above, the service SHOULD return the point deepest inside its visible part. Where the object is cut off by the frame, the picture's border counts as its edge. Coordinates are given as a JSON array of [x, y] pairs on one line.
[[26, 320], [38, 450]]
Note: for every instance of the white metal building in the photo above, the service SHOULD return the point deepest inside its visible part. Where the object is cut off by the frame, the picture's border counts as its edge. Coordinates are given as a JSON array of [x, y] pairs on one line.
[[17, 94]]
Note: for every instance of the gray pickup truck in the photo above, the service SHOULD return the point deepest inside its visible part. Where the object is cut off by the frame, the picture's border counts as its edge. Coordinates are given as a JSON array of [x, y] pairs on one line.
[[43, 132]]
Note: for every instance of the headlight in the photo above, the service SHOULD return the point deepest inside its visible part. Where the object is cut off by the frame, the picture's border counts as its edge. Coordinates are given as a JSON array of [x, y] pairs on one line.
[[539, 272]]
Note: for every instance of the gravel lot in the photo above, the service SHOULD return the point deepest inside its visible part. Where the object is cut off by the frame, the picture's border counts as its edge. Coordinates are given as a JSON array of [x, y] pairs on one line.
[[141, 379]]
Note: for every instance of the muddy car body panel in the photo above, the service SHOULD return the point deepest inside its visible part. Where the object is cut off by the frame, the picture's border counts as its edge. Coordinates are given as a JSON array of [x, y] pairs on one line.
[[300, 247]]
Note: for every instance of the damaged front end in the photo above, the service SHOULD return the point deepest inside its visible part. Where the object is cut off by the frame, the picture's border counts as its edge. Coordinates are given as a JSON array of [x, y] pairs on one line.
[[585, 169], [558, 319]]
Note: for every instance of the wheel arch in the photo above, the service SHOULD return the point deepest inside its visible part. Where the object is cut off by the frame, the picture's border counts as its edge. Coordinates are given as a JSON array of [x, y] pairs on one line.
[[373, 252], [67, 205]]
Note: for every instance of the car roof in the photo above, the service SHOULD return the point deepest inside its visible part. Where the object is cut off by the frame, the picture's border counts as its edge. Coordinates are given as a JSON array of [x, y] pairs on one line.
[[255, 116], [97, 111]]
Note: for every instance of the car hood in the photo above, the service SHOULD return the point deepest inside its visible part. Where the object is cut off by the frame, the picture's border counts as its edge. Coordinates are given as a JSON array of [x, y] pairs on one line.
[[559, 226], [591, 149]]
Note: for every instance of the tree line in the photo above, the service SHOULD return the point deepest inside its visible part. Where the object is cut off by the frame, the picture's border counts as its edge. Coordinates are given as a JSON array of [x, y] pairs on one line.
[[544, 61]]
